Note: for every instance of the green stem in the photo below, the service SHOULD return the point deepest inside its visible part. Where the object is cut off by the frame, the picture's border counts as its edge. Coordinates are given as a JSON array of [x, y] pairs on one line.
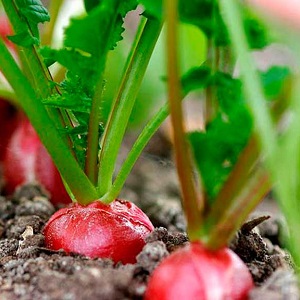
[[231, 220], [35, 69], [284, 169], [287, 174], [210, 92], [70, 170], [281, 166], [134, 153], [213, 61], [122, 107], [54, 8], [237, 181], [136, 150], [192, 201], [91, 163], [38, 73], [251, 83], [226, 63]]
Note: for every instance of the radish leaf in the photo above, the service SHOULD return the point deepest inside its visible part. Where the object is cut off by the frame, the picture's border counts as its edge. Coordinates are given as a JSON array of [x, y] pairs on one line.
[[24, 39], [87, 41], [196, 78], [96, 24], [216, 157], [90, 4], [34, 13], [206, 15], [274, 80]]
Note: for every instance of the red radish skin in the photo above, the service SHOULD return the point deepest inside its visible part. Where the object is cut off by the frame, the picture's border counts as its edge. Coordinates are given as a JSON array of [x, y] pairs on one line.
[[8, 123], [20, 157], [115, 231], [8, 113], [26, 160], [5, 30], [48, 175], [195, 272]]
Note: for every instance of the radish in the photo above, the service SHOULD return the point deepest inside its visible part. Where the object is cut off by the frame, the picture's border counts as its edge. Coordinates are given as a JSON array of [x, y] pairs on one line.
[[26, 160], [8, 119], [5, 30], [8, 123], [115, 231], [205, 269], [194, 272], [47, 174]]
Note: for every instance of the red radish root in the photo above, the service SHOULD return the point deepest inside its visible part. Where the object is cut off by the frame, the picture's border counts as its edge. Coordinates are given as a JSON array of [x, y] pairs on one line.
[[115, 231], [26, 160], [194, 272]]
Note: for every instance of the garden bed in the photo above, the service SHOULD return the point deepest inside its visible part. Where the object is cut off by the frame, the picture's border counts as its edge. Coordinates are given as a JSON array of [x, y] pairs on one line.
[[30, 271]]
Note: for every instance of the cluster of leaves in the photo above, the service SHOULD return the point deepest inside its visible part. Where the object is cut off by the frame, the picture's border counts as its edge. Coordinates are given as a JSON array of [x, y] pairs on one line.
[[217, 149], [206, 15], [103, 22], [34, 13]]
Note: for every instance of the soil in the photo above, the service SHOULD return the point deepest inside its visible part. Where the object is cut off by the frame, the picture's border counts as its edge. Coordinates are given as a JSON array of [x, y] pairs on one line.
[[30, 271]]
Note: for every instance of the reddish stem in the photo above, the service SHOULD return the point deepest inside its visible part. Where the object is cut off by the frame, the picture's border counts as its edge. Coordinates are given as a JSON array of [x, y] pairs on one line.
[[192, 201], [236, 214]]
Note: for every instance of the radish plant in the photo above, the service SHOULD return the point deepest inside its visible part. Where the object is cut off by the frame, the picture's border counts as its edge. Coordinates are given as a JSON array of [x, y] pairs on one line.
[[66, 115], [37, 167], [231, 178], [8, 117], [281, 149], [8, 113]]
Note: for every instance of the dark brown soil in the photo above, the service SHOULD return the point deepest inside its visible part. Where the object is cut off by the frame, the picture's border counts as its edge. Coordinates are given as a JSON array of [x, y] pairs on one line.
[[30, 271]]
